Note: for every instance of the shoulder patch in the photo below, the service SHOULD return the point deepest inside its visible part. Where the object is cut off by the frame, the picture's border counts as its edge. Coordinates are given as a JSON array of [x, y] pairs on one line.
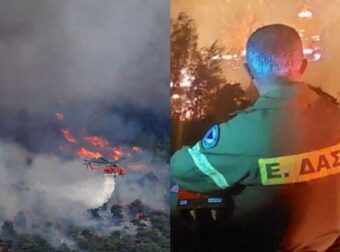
[[211, 138]]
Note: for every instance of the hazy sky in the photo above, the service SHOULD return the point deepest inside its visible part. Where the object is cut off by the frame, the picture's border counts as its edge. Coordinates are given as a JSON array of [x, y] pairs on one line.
[[104, 64]]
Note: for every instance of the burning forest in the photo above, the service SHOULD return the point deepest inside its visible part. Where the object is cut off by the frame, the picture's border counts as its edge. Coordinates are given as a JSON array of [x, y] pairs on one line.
[[208, 47], [91, 146]]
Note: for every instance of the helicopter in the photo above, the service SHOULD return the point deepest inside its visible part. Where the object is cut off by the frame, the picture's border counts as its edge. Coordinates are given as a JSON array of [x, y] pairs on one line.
[[110, 168]]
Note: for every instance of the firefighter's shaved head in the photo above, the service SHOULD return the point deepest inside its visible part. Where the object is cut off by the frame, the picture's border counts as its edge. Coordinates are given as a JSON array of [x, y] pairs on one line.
[[275, 51]]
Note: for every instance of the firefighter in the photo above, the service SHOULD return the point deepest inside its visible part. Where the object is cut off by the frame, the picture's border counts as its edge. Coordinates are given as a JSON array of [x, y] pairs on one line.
[[284, 150]]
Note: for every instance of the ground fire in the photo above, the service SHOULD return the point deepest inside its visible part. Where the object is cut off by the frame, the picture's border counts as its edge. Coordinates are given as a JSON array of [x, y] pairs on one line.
[[93, 149]]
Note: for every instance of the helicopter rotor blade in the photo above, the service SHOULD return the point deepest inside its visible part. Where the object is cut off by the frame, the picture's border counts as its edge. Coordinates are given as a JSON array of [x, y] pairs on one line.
[[103, 159], [100, 161]]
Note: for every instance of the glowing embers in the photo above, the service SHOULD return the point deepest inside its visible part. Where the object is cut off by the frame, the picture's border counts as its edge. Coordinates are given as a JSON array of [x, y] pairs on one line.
[[68, 136], [85, 146], [185, 106], [307, 51], [310, 38], [311, 50], [316, 37], [305, 14], [85, 153], [230, 56], [312, 54], [175, 96], [97, 141], [316, 56], [186, 78], [233, 60]]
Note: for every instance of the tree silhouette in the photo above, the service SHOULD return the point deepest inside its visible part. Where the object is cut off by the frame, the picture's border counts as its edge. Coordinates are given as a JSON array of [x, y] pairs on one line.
[[200, 94], [116, 211], [195, 76], [7, 231]]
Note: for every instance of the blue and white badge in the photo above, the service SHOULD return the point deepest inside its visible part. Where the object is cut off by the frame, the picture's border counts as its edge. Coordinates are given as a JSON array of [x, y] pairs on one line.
[[211, 138]]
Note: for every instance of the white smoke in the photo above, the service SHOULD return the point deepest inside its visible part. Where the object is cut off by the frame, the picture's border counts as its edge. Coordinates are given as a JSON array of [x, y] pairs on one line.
[[92, 193], [147, 179], [47, 188]]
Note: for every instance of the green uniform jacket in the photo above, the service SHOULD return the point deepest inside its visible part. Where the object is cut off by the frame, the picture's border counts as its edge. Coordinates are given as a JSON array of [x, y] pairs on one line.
[[286, 145]]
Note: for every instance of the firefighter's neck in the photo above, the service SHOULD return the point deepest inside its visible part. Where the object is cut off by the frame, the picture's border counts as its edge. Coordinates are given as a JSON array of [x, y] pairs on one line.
[[269, 83]]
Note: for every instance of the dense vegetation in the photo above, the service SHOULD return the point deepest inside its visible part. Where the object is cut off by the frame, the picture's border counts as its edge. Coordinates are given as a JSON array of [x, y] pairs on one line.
[[152, 234], [200, 93]]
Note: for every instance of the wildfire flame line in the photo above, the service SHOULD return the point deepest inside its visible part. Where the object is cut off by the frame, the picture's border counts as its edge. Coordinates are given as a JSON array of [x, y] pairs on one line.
[[68, 136], [97, 141], [94, 147], [85, 153]]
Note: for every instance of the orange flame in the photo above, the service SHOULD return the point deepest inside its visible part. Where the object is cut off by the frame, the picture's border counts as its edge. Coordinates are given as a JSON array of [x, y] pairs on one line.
[[94, 147], [85, 153], [68, 136], [97, 141], [117, 153]]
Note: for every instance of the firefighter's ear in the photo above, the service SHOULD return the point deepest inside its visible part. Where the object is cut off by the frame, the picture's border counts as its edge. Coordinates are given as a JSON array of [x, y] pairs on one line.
[[246, 67], [303, 66]]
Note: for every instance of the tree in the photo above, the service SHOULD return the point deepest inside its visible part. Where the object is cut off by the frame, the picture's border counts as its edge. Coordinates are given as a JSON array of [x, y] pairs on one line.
[[195, 76], [126, 244], [33, 244], [200, 94], [136, 207], [161, 222], [116, 211], [8, 232], [183, 42], [150, 239]]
